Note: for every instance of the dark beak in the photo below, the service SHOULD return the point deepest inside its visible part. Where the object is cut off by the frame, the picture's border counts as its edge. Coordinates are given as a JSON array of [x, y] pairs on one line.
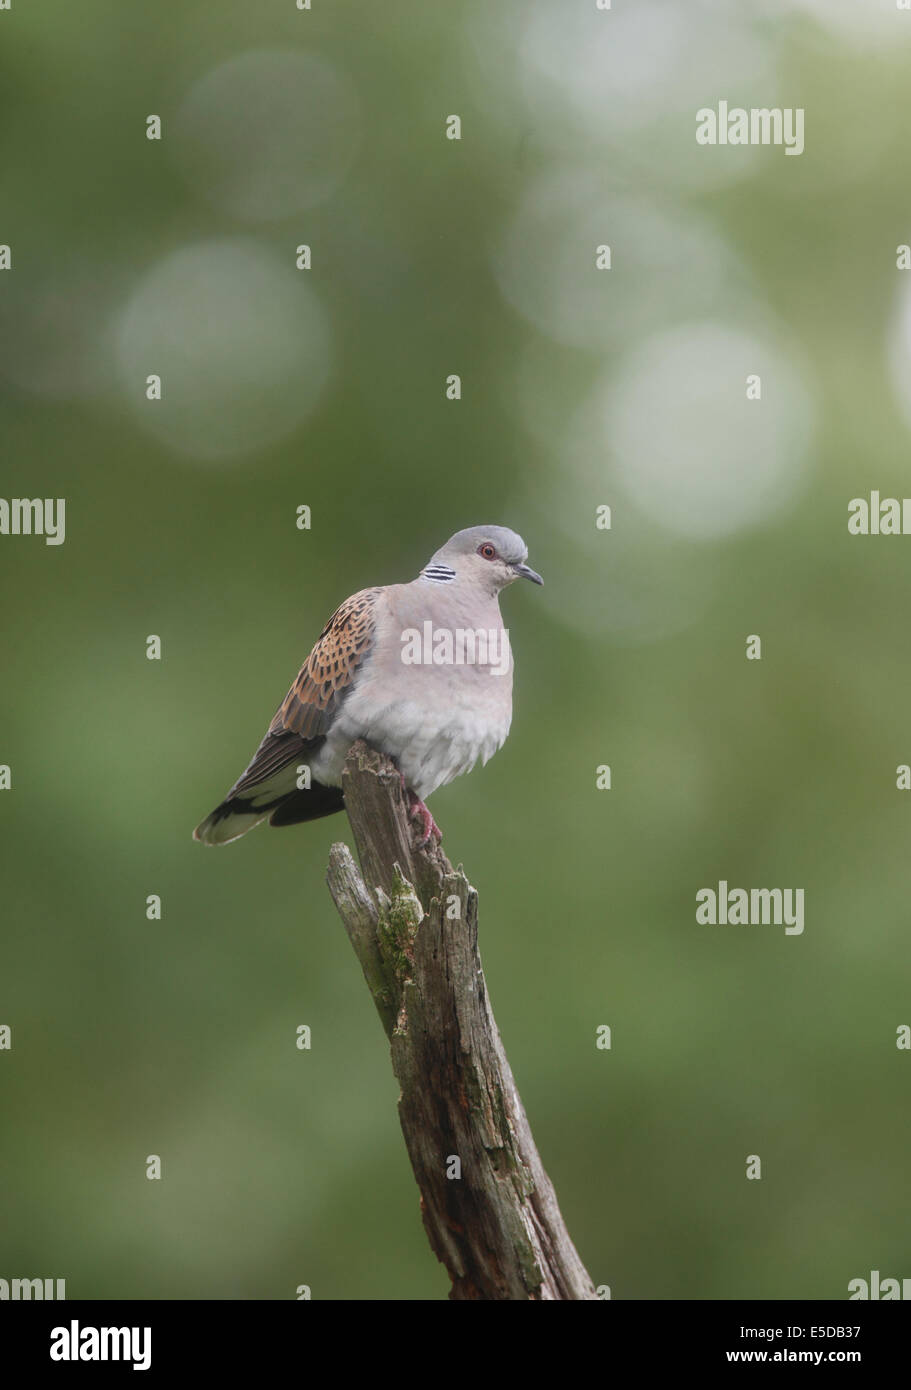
[[527, 573]]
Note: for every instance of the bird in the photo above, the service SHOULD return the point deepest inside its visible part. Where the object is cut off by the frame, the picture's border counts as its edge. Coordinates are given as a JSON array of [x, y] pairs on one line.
[[422, 671]]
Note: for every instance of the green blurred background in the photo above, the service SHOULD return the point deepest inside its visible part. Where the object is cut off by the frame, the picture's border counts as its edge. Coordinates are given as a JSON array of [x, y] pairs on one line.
[[580, 387]]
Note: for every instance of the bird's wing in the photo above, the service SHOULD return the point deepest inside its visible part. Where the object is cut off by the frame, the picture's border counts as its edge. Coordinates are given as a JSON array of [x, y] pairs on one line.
[[308, 709]]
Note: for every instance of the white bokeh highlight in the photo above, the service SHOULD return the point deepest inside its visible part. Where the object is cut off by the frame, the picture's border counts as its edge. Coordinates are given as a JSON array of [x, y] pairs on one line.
[[623, 85], [239, 339], [666, 264], [682, 440], [618, 72]]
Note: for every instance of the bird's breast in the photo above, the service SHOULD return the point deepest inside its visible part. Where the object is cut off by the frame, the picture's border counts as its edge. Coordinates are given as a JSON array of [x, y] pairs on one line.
[[436, 720]]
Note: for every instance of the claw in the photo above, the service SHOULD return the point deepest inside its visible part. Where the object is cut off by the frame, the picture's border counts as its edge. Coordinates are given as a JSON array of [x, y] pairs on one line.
[[418, 811]]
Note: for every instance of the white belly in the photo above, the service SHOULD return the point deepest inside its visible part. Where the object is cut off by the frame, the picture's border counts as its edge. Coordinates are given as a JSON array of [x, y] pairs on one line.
[[435, 735]]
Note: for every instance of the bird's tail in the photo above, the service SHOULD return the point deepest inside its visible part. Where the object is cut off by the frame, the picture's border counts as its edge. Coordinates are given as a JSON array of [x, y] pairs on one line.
[[238, 814]]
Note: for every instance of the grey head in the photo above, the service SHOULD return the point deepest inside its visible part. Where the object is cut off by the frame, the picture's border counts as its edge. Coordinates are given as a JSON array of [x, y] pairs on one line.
[[489, 556]]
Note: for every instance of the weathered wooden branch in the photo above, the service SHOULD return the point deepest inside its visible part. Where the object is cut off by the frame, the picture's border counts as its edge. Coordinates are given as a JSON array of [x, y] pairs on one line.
[[413, 922]]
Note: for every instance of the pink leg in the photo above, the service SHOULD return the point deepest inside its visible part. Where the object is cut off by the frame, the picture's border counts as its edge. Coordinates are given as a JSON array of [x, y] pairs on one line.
[[418, 811]]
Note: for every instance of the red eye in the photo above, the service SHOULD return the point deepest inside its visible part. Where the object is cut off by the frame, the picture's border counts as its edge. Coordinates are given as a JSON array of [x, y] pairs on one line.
[[487, 551]]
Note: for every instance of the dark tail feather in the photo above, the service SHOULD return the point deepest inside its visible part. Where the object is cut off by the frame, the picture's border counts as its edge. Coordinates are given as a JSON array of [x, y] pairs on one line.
[[238, 814], [308, 805]]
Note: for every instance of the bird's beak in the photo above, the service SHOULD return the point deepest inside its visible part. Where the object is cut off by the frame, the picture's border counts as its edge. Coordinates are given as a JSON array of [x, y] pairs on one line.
[[527, 573]]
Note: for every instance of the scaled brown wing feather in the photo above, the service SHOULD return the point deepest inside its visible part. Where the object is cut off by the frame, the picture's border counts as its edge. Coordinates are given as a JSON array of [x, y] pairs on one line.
[[309, 707], [305, 715]]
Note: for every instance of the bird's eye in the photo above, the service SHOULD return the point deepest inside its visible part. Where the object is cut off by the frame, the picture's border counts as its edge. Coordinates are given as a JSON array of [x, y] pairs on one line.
[[487, 550]]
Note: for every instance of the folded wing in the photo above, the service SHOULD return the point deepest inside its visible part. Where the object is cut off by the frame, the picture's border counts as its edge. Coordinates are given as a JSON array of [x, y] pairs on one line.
[[268, 786]]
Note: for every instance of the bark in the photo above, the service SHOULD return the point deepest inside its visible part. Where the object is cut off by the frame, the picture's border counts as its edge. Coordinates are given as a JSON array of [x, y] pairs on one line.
[[413, 922]]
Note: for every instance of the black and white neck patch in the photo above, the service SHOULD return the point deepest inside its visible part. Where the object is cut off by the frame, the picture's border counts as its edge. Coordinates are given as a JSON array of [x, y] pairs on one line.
[[438, 574]]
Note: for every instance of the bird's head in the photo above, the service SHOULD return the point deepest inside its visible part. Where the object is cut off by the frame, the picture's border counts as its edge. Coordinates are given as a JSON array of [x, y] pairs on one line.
[[490, 556]]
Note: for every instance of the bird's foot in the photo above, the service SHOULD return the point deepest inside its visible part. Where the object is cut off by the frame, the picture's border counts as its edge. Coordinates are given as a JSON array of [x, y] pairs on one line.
[[419, 812]]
